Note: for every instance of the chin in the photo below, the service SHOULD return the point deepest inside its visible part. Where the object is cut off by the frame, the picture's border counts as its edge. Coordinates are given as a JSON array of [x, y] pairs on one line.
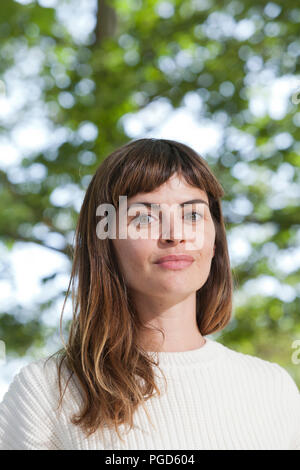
[[177, 287]]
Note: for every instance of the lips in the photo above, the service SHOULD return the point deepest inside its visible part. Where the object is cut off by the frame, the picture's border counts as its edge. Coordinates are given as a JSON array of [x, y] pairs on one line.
[[175, 258]]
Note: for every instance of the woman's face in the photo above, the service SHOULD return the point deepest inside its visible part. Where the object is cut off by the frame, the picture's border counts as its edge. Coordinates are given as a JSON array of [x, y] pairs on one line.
[[138, 257]]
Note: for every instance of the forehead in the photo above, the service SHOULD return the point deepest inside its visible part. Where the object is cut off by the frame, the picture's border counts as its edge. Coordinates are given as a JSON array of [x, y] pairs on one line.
[[175, 190]]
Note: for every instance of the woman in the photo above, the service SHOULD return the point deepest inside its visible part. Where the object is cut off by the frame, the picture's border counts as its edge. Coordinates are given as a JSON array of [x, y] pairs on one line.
[[139, 370]]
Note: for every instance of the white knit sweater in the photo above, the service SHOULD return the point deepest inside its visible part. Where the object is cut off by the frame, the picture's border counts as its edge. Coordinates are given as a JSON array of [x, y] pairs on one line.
[[216, 398]]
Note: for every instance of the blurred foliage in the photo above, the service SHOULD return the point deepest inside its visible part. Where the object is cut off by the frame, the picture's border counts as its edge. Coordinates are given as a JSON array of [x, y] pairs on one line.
[[221, 55]]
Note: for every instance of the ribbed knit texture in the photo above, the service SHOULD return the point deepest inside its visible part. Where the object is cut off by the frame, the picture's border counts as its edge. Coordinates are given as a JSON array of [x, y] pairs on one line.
[[216, 398]]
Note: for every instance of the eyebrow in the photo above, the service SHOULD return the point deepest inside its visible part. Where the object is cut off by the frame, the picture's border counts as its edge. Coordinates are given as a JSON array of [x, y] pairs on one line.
[[149, 204]]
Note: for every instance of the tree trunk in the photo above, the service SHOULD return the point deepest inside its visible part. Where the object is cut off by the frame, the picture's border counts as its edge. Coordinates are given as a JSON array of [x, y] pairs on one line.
[[106, 21]]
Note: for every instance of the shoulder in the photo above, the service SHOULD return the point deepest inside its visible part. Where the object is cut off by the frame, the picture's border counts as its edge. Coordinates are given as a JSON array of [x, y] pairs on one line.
[[28, 411], [272, 385], [31, 382], [38, 382], [262, 370], [37, 371], [40, 373]]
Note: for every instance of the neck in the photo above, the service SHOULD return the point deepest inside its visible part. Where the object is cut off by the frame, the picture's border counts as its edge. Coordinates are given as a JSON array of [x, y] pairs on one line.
[[176, 318]]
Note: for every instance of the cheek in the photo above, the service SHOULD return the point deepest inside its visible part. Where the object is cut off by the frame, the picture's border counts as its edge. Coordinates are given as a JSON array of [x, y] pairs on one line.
[[205, 253], [208, 235], [133, 254], [134, 260]]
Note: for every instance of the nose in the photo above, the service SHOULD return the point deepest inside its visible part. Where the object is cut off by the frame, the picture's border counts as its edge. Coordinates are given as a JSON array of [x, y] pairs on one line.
[[172, 231], [169, 241]]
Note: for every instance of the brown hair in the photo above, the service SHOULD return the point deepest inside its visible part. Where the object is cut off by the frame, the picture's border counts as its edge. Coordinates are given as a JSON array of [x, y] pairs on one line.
[[102, 349]]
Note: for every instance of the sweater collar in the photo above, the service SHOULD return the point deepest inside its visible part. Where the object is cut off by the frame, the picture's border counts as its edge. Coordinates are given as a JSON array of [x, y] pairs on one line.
[[209, 351]]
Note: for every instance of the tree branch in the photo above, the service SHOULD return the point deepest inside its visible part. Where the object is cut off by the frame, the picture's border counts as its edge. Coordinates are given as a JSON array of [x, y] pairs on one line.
[[16, 237]]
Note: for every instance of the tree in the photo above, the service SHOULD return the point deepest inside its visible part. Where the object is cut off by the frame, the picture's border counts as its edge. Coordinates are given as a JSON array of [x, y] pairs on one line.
[[227, 56]]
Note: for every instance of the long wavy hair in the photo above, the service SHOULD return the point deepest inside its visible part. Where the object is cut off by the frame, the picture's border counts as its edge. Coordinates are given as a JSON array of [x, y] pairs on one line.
[[115, 374]]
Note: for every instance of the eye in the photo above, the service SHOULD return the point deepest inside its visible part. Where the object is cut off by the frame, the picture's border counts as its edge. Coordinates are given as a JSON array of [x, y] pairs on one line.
[[194, 212], [137, 220]]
